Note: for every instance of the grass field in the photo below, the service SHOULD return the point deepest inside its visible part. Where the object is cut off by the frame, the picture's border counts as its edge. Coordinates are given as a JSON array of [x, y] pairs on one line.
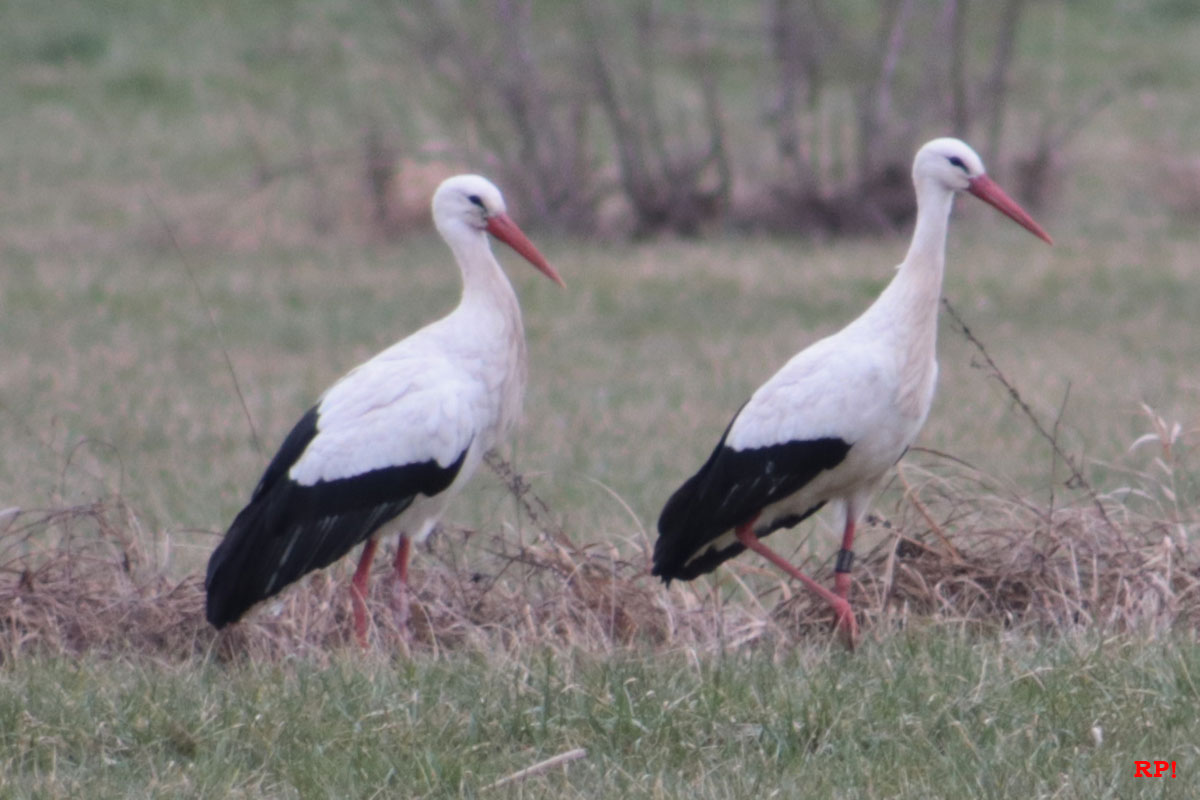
[[131, 143], [925, 714]]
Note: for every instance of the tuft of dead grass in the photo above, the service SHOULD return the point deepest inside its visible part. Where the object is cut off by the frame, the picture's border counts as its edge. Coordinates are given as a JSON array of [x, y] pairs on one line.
[[957, 551], [74, 579]]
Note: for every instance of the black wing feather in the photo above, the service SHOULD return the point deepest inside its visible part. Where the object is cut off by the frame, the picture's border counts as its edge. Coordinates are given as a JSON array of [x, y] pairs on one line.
[[730, 489], [288, 529]]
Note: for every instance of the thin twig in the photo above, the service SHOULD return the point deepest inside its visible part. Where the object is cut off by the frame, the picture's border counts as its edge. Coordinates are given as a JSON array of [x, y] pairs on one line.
[[911, 496], [533, 505], [1077, 478], [1062, 410], [212, 318]]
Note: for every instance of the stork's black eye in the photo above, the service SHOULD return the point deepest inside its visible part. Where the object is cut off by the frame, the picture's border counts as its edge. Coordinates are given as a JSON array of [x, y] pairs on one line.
[[958, 162], [477, 200]]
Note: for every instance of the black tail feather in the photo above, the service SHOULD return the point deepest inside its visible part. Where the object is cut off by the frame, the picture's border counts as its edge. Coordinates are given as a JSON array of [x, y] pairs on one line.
[[732, 488]]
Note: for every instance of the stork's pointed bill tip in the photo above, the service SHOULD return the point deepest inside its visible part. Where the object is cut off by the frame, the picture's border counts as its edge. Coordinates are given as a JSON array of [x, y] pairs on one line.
[[990, 192], [503, 228]]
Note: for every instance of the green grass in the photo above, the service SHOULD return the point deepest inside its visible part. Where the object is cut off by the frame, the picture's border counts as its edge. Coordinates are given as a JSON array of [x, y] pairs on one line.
[[923, 714], [131, 140]]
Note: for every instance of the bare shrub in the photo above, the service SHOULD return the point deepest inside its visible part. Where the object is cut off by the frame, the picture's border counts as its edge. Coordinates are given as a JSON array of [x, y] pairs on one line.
[[526, 121], [802, 116], [676, 177], [641, 117]]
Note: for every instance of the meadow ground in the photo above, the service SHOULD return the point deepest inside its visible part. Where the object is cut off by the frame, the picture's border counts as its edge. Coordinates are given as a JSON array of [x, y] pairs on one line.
[[1036, 650], [923, 714]]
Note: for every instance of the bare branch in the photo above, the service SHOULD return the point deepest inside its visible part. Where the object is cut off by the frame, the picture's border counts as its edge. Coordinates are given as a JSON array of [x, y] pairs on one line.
[[1077, 479], [959, 111], [876, 113], [995, 88]]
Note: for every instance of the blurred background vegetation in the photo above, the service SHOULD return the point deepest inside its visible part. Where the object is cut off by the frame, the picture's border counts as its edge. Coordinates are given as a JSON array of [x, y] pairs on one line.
[[624, 117], [696, 168]]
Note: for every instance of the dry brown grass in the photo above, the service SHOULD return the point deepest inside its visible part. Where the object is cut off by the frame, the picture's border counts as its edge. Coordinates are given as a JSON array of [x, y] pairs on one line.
[[957, 551], [961, 552], [74, 580]]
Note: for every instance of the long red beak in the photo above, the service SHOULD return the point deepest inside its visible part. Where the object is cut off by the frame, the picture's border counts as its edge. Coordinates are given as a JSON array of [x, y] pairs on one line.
[[990, 192], [503, 228]]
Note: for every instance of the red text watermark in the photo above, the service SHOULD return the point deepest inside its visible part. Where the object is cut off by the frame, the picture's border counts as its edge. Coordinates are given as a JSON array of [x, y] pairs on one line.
[[1161, 769]]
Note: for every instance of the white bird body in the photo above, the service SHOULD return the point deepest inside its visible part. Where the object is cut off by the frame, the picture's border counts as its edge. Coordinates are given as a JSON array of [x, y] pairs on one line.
[[450, 385], [835, 418], [389, 444], [864, 384], [872, 383]]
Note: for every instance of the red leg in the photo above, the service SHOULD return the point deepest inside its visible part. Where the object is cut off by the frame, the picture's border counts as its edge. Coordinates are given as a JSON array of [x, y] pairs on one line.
[[841, 607], [400, 587], [841, 575], [401, 562], [358, 590]]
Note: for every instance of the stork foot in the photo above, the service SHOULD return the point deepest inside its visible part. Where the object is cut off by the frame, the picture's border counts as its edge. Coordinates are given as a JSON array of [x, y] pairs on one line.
[[399, 600], [844, 623], [360, 618], [358, 592], [400, 607]]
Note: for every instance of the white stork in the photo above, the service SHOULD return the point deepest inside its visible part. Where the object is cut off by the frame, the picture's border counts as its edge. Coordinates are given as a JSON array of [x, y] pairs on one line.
[[829, 425], [388, 445]]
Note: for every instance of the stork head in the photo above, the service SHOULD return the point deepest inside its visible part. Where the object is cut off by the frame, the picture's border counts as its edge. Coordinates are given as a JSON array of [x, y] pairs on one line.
[[471, 203], [953, 165]]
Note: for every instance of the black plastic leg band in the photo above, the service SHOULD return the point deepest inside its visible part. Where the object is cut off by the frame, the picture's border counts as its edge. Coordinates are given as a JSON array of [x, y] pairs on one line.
[[845, 561]]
